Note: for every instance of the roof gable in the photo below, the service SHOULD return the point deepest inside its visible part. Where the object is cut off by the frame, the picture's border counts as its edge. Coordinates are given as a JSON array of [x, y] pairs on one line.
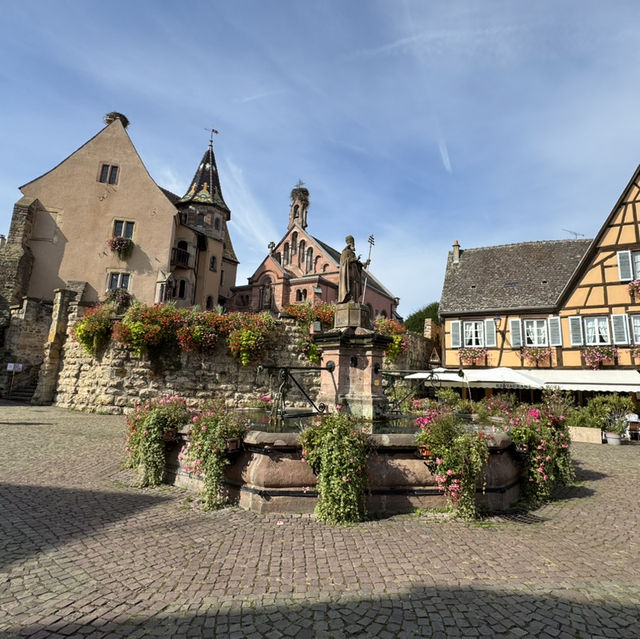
[[511, 276]]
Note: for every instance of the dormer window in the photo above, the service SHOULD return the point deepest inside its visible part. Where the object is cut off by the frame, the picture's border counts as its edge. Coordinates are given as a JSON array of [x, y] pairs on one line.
[[108, 174]]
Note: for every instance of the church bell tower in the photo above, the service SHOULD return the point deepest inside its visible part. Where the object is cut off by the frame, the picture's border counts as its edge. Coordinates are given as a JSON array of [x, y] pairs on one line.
[[299, 206]]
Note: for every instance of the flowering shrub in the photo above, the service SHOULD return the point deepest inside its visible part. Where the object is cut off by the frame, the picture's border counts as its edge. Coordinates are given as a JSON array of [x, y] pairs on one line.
[[595, 355], [472, 354], [541, 436], [393, 329], [249, 341], [337, 451], [458, 458], [93, 330], [537, 354], [149, 327], [122, 246], [205, 452], [148, 428], [633, 287], [199, 330]]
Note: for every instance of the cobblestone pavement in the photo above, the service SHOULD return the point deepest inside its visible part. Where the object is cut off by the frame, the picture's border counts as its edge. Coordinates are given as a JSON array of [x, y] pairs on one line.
[[83, 553]]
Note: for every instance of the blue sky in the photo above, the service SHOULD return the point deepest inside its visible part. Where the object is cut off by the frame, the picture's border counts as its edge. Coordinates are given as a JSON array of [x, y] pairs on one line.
[[421, 122]]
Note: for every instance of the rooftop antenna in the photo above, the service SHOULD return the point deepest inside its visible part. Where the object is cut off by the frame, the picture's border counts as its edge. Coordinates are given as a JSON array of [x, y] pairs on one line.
[[575, 235], [212, 131]]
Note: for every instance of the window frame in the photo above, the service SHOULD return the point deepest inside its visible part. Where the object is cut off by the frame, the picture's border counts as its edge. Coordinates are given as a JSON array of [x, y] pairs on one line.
[[120, 277], [538, 325], [599, 321], [109, 174], [127, 228], [477, 336]]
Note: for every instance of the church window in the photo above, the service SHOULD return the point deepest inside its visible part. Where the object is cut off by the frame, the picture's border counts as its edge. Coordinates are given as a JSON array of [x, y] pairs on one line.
[[301, 250], [286, 254], [296, 211], [123, 228], [108, 174], [118, 280], [294, 243], [309, 264], [213, 263]]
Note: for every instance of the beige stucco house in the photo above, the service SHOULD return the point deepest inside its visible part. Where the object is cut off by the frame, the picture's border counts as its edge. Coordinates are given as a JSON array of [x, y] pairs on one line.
[[177, 248]]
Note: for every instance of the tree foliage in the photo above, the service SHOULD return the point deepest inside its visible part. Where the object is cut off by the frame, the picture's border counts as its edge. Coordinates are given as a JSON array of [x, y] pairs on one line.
[[415, 321]]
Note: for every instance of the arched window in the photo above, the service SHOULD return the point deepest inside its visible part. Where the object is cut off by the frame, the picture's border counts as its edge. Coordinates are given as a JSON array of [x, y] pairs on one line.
[[183, 245], [309, 265], [294, 243], [316, 264], [209, 303], [301, 253], [325, 268], [301, 295], [296, 211], [213, 263], [285, 254], [266, 293]]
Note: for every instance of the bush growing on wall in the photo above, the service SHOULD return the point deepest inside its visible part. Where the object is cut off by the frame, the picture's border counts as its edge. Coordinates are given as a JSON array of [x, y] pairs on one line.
[[93, 330]]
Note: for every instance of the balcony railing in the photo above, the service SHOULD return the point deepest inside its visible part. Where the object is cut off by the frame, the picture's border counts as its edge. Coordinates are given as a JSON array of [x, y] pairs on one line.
[[180, 257]]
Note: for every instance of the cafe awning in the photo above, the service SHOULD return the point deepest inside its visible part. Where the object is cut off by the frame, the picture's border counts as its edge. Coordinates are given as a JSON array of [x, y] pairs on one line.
[[620, 380]]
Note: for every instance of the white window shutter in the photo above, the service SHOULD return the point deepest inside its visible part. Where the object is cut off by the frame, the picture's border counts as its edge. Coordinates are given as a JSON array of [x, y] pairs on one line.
[[489, 333], [620, 326], [575, 330], [515, 330], [456, 337], [625, 266], [555, 331]]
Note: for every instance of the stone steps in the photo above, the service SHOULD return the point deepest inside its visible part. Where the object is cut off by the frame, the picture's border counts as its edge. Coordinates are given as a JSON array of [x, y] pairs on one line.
[[23, 393]]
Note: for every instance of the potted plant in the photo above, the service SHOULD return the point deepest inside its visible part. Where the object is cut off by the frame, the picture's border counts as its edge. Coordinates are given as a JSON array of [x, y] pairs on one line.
[[595, 356], [633, 287], [121, 246], [609, 413]]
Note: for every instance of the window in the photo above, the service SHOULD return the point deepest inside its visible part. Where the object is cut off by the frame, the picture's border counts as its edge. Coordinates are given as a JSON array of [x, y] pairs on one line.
[[301, 295], [535, 332], [123, 228], [209, 303], [473, 334], [635, 326], [555, 331], [200, 219], [109, 174], [181, 289], [628, 265], [294, 243], [309, 264], [620, 328], [286, 254], [596, 330], [118, 280], [213, 263], [216, 224]]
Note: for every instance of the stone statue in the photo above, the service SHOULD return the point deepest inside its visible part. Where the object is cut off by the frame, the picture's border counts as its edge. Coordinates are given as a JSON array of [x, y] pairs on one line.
[[350, 284]]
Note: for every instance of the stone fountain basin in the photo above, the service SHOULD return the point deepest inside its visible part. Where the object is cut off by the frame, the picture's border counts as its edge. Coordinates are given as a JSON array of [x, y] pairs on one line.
[[268, 475]]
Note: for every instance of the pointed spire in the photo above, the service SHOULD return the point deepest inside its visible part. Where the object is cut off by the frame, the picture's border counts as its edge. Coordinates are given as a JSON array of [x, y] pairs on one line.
[[205, 186]]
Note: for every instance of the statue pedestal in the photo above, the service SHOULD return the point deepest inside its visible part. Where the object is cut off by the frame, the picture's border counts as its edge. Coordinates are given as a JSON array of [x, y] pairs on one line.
[[357, 352], [352, 314]]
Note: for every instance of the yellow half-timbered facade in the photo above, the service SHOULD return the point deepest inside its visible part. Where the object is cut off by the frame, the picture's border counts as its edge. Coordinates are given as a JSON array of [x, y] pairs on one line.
[[567, 305]]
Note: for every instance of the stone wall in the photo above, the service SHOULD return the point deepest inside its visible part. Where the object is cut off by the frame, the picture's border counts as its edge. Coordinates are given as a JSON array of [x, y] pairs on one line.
[[117, 379], [23, 342]]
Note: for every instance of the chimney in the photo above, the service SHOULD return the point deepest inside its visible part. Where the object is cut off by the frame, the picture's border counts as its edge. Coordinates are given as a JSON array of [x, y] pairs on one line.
[[456, 252], [3, 241]]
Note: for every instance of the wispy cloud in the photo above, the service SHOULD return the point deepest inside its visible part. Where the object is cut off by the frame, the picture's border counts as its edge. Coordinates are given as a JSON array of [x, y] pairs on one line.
[[261, 96]]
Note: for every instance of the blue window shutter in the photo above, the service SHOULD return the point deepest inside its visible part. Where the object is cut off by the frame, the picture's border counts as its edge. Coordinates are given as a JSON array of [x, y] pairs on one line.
[[625, 266], [575, 330], [555, 331], [456, 337], [620, 326], [515, 331], [489, 333]]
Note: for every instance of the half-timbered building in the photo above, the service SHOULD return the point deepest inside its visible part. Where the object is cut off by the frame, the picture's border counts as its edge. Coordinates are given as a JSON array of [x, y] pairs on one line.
[[566, 313]]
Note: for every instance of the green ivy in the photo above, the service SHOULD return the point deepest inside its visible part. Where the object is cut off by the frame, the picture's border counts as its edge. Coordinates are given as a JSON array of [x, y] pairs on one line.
[[205, 453], [337, 451], [148, 428]]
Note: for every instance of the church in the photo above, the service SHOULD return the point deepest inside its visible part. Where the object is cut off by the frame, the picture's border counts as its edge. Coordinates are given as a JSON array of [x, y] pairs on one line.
[[301, 268]]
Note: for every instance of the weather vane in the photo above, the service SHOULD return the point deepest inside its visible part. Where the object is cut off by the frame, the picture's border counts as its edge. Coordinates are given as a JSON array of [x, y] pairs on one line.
[[212, 131]]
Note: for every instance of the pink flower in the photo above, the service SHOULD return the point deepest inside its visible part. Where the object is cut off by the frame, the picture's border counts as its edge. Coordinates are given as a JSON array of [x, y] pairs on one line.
[[450, 472], [203, 429], [345, 478], [338, 407], [438, 461]]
